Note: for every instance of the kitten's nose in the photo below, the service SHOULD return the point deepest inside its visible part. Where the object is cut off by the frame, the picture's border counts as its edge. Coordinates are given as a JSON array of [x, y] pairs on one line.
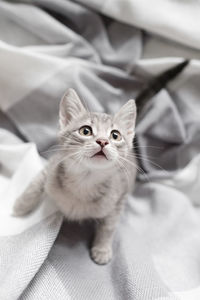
[[102, 142]]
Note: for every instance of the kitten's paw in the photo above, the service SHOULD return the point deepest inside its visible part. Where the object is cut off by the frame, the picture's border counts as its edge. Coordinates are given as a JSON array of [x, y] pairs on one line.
[[101, 256], [20, 210]]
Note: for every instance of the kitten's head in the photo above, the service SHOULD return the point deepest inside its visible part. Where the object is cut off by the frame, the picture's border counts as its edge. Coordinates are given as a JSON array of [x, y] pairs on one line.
[[95, 140]]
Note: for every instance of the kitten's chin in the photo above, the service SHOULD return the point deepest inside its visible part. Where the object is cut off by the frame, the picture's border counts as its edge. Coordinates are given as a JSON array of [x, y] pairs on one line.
[[99, 162]]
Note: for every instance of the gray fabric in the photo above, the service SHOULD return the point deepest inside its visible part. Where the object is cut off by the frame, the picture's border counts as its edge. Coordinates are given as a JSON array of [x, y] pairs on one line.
[[22, 255], [48, 46], [130, 275]]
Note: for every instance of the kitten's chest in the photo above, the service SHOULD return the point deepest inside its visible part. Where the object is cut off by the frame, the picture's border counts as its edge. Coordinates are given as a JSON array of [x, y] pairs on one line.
[[85, 198]]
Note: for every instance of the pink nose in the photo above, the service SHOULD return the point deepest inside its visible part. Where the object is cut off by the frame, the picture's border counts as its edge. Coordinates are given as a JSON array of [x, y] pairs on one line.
[[102, 142]]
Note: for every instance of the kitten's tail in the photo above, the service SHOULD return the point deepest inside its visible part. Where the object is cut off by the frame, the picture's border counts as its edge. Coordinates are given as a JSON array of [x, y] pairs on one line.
[[158, 83], [152, 88]]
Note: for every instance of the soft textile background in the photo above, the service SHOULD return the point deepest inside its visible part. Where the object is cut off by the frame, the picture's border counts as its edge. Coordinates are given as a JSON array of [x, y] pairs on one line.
[[107, 51]]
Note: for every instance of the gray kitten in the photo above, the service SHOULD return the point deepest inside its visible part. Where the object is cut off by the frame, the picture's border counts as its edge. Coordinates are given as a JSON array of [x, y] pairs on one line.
[[92, 171]]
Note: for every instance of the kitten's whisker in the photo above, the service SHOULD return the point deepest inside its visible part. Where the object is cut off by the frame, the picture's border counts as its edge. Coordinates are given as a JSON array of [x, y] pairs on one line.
[[153, 163], [146, 146], [53, 150], [124, 169], [59, 149], [58, 146], [134, 155], [78, 159], [67, 139], [153, 147], [135, 166], [142, 157], [124, 166], [64, 158]]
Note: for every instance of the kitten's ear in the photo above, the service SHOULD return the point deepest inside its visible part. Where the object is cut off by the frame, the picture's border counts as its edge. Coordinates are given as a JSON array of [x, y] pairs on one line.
[[126, 116], [70, 107]]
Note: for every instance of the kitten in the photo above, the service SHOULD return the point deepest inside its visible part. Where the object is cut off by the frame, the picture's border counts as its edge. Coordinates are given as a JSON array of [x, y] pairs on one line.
[[91, 173]]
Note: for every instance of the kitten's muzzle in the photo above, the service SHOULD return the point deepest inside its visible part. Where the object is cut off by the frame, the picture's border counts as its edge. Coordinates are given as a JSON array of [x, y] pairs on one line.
[[100, 153]]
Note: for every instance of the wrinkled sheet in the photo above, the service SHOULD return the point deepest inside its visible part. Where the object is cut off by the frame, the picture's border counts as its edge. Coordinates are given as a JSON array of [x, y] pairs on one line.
[[107, 51]]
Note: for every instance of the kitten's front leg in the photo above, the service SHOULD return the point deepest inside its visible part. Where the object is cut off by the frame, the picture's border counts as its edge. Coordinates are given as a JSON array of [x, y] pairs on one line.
[[101, 251], [31, 196]]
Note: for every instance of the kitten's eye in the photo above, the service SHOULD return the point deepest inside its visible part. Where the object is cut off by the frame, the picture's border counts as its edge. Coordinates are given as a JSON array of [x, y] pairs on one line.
[[85, 130], [116, 135]]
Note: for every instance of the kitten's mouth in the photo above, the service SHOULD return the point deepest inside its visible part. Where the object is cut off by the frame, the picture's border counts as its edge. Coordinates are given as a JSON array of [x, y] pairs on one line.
[[100, 154]]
